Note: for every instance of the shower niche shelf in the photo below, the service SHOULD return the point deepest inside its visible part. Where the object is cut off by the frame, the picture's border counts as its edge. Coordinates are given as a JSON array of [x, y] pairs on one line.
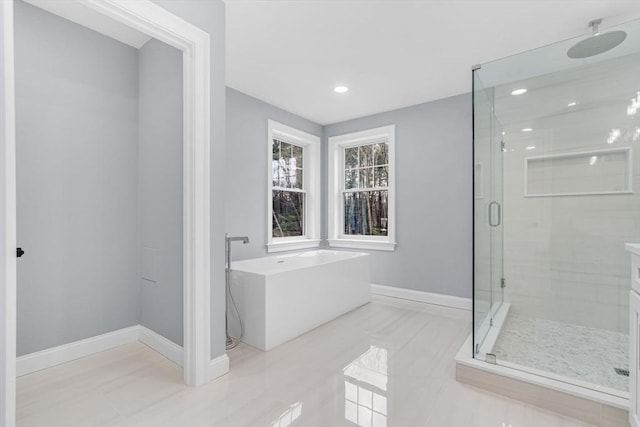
[[582, 173]]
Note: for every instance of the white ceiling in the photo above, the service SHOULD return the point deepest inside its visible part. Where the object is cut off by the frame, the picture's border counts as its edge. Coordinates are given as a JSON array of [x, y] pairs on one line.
[[391, 53]]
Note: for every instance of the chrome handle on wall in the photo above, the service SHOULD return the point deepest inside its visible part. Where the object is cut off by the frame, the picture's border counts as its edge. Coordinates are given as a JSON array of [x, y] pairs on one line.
[[491, 205]]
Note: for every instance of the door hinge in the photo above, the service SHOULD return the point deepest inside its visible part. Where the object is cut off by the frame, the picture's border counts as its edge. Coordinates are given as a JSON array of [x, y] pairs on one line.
[[477, 348], [503, 147], [503, 283]]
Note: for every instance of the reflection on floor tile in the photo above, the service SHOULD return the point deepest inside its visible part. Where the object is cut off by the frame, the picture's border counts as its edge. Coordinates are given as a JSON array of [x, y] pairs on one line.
[[583, 353], [389, 363]]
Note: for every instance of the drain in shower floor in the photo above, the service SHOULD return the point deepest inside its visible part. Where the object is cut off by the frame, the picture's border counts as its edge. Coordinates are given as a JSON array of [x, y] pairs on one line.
[[623, 372]]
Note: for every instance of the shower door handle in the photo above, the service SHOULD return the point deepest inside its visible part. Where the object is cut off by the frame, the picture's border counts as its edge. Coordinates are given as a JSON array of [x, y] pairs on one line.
[[499, 221]]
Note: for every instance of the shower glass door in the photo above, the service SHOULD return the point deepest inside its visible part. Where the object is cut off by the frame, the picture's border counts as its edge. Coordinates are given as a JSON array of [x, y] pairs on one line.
[[496, 216], [488, 246]]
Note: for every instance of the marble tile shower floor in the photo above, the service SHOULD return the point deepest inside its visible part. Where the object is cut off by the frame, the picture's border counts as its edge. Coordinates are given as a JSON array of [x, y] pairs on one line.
[[578, 352]]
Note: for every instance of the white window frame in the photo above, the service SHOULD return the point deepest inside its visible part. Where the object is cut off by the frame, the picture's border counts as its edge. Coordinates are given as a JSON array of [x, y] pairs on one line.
[[335, 206], [311, 186]]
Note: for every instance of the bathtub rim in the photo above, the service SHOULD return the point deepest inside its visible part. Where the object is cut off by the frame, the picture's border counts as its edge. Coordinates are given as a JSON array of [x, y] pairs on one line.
[[237, 266]]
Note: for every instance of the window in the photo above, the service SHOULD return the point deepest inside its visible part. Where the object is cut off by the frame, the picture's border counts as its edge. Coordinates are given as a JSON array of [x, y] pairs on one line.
[[361, 180], [288, 191], [293, 188]]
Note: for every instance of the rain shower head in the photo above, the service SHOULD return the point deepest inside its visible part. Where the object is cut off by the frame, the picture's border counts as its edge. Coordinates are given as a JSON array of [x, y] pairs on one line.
[[597, 43]]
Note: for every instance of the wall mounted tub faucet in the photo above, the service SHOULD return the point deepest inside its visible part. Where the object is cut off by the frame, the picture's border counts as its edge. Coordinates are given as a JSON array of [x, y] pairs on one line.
[[227, 270], [228, 240]]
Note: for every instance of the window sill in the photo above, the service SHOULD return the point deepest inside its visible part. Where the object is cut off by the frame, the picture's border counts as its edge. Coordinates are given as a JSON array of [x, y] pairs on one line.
[[363, 244], [292, 245]]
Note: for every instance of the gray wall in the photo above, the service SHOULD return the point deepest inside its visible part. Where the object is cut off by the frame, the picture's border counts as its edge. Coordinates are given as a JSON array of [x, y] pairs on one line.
[[246, 165], [433, 196], [433, 187], [77, 161], [209, 16], [7, 382], [160, 181]]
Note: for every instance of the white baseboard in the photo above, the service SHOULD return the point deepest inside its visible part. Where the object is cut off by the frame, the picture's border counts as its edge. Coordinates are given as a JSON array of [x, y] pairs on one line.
[[162, 345], [50, 357], [420, 296], [65, 353], [218, 367]]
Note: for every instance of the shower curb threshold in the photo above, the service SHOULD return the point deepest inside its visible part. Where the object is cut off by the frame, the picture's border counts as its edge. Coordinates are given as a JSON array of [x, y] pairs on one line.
[[600, 408]]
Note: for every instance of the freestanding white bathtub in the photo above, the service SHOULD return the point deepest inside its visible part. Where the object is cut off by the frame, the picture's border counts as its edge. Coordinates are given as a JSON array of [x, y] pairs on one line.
[[281, 297]]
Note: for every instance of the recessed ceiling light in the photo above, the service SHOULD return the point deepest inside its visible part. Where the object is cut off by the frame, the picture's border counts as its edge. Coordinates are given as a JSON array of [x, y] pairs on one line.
[[519, 91], [572, 104], [531, 147], [527, 130], [340, 89]]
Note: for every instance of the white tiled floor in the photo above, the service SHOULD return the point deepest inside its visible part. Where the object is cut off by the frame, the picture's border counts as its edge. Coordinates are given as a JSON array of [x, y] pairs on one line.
[[389, 363]]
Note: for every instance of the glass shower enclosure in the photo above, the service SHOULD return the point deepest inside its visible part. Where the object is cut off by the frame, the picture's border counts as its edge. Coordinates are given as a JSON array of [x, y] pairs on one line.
[[488, 267], [556, 179]]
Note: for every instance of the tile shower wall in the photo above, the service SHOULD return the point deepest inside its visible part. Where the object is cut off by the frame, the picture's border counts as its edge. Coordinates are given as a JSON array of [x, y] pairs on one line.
[[563, 255]]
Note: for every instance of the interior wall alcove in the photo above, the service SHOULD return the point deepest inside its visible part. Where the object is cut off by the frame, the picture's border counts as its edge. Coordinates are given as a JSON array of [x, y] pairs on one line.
[[170, 24]]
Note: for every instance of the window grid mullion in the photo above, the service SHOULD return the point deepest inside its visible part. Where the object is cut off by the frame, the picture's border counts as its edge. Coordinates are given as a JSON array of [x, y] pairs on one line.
[[366, 167], [292, 190], [364, 190]]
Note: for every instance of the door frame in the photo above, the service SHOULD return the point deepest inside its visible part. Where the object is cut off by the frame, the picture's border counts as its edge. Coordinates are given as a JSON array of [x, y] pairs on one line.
[[157, 22]]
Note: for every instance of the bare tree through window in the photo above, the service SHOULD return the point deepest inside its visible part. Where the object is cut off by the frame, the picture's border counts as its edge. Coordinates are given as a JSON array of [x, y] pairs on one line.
[[288, 193], [365, 194]]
